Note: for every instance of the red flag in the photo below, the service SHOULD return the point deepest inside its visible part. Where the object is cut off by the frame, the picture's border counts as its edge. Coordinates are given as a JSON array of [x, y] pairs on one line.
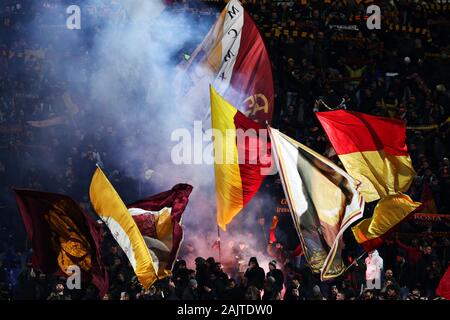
[[158, 218], [272, 237], [216, 244], [443, 290], [372, 149], [62, 234], [298, 251]]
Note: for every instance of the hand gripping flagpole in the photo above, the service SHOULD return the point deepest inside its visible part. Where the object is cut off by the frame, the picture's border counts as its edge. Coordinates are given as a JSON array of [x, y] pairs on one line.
[[355, 261]]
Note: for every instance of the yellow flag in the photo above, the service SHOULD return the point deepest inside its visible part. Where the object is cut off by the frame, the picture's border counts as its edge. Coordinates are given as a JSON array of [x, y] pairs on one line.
[[111, 209], [388, 212]]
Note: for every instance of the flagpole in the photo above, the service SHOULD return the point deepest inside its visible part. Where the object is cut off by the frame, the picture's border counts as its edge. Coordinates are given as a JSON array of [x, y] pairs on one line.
[[354, 261], [220, 246]]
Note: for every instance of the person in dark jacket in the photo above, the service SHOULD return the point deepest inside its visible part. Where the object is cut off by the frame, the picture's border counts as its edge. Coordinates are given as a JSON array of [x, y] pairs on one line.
[[255, 274], [252, 293], [403, 273], [208, 292], [392, 293], [233, 291], [26, 284], [220, 274], [171, 293], [58, 293], [180, 277], [218, 285], [294, 291], [191, 292], [277, 274], [269, 289], [201, 269]]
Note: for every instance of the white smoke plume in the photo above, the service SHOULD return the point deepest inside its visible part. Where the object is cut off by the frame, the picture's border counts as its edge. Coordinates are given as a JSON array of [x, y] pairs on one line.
[[129, 71]]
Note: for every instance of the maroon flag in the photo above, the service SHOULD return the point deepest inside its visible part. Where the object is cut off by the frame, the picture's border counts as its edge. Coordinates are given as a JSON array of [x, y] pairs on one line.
[[158, 218], [62, 235]]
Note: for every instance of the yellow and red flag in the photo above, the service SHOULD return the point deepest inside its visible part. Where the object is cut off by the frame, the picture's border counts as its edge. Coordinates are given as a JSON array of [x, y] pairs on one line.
[[238, 163], [388, 213], [372, 150]]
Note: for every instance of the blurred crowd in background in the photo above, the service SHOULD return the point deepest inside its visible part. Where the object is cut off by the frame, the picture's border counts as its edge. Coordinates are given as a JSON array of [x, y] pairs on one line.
[[323, 57]]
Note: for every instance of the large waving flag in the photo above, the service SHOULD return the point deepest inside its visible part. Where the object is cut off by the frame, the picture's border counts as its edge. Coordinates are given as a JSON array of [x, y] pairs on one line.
[[388, 213], [158, 218], [62, 235], [110, 208], [372, 150], [323, 201], [234, 59], [238, 163]]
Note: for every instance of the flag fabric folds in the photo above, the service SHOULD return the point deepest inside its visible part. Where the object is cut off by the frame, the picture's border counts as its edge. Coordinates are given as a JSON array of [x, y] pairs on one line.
[[158, 218], [443, 289], [62, 235], [389, 212], [323, 201], [110, 208], [238, 164], [272, 236], [372, 150], [234, 59]]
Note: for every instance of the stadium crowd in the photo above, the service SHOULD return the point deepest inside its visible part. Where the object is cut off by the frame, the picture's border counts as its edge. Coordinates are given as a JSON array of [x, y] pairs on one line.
[[323, 56]]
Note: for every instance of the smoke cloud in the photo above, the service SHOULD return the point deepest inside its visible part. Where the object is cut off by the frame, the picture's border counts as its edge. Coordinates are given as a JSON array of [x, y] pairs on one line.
[[124, 83]]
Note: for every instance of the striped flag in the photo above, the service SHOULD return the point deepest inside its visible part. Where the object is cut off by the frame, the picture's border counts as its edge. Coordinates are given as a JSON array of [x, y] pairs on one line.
[[372, 150], [323, 201], [110, 208], [234, 59], [239, 158]]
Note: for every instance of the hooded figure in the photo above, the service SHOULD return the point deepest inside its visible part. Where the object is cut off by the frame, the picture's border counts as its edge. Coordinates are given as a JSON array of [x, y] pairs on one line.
[[201, 269], [255, 274], [277, 274], [374, 264]]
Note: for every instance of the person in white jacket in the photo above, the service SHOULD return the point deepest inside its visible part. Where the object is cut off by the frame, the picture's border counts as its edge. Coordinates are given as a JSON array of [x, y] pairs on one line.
[[374, 264]]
